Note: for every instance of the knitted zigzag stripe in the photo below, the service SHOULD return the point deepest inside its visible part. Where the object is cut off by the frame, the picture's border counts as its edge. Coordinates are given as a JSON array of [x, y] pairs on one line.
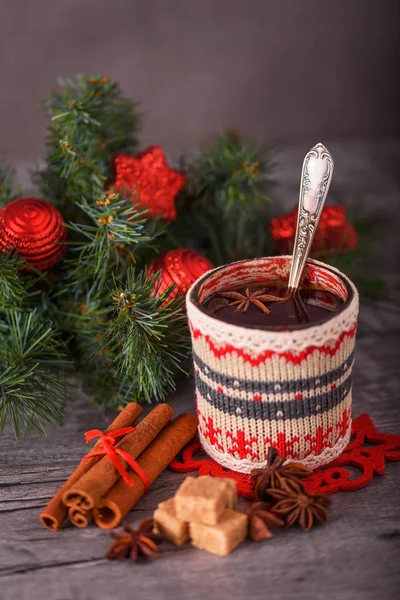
[[256, 388]]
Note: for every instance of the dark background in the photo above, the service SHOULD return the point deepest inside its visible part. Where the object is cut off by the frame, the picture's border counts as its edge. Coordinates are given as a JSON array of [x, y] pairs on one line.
[[282, 70]]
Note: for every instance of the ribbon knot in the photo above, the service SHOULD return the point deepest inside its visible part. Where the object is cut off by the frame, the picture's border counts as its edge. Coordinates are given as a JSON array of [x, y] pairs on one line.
[[107, 448]]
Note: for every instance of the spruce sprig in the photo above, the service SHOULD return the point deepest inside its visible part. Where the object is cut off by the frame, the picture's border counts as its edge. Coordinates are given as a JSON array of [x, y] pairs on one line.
[[224, 210], [231, 172], [31, 373], [8, 190], [12, 289], [148, 334], [90, 121], [106, 241], [32, 358]]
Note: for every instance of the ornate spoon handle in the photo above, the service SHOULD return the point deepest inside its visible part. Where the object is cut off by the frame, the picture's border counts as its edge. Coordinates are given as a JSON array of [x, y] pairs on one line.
[[316, 177]]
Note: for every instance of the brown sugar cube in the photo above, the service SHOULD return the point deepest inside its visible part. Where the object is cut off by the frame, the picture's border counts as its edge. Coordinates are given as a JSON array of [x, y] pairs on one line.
[[202, 499], [222, 538], [231, 492], [168, 525]]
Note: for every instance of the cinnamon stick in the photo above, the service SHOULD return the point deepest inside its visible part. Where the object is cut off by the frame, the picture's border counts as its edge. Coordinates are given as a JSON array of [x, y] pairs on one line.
[[79, 516], [55, 512], [122, 498], [94, 484]]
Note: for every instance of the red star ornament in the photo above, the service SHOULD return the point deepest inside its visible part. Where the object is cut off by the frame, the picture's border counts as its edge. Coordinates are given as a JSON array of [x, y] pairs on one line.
[[150, 182]]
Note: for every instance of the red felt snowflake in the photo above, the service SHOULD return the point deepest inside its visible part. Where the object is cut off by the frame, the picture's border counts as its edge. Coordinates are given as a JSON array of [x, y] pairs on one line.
[[150, 182], [364, 457]]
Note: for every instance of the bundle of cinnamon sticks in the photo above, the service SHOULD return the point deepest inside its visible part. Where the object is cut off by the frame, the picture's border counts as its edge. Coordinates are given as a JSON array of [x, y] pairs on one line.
[[96, 490]]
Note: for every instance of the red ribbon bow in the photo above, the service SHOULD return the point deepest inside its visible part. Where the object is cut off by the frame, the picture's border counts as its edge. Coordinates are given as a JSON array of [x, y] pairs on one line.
[[107, 448]]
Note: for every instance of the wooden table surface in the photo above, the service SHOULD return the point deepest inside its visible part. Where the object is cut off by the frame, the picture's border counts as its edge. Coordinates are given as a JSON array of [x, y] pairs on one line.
[[356, 556]]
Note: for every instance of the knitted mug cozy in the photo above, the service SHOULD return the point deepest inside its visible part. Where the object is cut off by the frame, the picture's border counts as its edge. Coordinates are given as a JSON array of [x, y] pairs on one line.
[[257, 388]]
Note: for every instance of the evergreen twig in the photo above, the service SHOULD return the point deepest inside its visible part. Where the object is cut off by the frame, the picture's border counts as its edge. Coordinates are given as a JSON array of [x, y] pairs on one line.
[[12, 290], [224, 209], [31, 373], [8, 190], [149, 335], [90, 121], [107, 242]]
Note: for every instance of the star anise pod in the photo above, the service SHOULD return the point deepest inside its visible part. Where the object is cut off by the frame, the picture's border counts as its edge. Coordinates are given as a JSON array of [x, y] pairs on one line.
[[276, 474], [243, 301], [296, 506], [261, 521], [134, 543]]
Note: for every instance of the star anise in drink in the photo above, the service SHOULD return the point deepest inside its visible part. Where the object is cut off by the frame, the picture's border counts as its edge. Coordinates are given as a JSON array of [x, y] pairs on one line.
[[276, 475], [134, 543], [243, 301], [296, 506], [261, 521]]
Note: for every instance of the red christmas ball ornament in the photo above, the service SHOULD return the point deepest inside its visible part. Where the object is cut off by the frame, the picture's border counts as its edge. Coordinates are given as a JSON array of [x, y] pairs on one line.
[[150, 182], [334, 232], [35, 229], [182, 267]]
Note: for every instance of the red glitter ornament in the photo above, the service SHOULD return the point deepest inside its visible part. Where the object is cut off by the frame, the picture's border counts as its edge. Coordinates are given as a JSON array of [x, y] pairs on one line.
[[35, 229], [180, 266], [150, 181], [334, 232]]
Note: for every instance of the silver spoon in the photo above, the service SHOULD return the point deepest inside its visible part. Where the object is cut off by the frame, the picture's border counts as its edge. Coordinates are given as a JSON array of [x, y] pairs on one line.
[[316, 176]]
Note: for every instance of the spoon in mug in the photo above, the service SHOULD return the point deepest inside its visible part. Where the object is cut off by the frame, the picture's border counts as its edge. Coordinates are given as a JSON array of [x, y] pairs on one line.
[[316, 176]]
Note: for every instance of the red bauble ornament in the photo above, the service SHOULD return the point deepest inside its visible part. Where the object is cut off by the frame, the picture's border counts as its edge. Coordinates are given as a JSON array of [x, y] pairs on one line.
[[35, 229], [150, 181], [180, 266], [334, 232]]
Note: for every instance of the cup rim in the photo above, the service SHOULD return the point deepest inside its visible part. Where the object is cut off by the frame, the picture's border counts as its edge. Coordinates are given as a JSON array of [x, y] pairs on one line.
[[192, 296]]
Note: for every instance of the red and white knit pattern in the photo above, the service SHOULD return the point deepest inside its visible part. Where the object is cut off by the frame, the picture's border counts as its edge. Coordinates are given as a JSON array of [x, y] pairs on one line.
[[256, 388]]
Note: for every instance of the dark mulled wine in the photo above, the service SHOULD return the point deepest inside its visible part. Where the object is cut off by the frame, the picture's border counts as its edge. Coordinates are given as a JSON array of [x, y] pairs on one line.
[[268, 305]]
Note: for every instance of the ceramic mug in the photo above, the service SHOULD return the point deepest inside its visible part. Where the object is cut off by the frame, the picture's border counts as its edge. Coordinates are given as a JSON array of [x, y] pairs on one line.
[[289, 388]]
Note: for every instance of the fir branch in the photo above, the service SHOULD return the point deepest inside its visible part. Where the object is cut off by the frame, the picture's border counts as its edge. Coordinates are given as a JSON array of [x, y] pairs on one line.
[[31, 373], [12, 291], [233, 173], [7, 183], [106, 243], [148, 334], [352, 263], [224, 210], [20, 289], [355, 262], [90, 121], [86, 319]]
